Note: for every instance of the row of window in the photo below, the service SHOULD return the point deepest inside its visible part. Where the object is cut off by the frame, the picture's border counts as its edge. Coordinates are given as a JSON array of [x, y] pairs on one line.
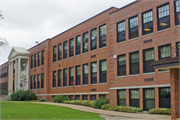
[[85, 71], [37, 81], [148, 98], [38, 59], [148, 56], [85, 46], [163, 21], [4, 73]]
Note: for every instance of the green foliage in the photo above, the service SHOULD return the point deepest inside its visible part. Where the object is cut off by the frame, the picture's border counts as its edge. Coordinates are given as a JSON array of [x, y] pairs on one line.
[[23, 95], [60, 98], [101, 101], [165, 111], [106, 106], [3, 92]]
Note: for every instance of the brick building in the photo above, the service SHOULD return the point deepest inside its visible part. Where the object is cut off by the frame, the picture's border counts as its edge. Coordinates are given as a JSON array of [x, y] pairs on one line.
[[110, 55]]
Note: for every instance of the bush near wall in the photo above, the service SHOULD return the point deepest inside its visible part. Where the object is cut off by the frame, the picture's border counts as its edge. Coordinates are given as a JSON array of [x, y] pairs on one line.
[[23, 95], [60, 98], [3, 92], [165, 111]]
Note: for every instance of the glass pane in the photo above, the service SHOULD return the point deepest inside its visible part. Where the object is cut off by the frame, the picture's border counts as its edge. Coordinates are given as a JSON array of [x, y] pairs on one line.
[[149, 54], [103, 65], [93, 34], [94, 67], [103, 30], [78, 70], [59, 73], [165, 51], [60, 47], [122, 94], [122, 60], [86, 69], [135, 57], [149, 93], [134, 94], [72, 71]]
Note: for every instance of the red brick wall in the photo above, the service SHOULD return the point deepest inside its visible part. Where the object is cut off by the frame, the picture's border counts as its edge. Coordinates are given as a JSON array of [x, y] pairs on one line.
[[4, 79]]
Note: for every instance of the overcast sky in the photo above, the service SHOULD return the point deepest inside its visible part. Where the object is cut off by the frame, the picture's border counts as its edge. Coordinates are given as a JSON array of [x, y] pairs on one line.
[[27, 21]]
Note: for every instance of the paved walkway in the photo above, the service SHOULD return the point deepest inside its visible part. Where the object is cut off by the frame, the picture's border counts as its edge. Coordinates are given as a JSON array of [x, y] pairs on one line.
[[106, 114]]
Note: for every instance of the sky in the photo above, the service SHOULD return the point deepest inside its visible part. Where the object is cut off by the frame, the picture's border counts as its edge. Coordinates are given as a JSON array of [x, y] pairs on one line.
[[28, 21]]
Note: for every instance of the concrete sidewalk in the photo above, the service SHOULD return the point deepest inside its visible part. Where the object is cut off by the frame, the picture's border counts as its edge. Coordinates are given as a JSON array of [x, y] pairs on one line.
[[136, 116]]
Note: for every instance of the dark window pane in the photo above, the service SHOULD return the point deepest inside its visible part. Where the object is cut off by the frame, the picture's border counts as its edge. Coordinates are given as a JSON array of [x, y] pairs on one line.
[[102, 36], [31, 84], [77, 97], [121, 65], [148, 57], [71, 47], [59, 78], [38, 81], [121, 28], [122, 97], [149, 101], [42, 57], [85, 74], [35, 58], [65, 77], [54, 79], [93, 72], [78, 75], [177, 12], [42, 80], [93, 39], [78, 45], [31, 61], [103, 71], [71, 76], [133, 27], [177, 49], [39, 58], [92, 97], [60, 51], [84, 97], [65, 50], [85, 42], [34, 81], [164, 51], [54, 54], [147, 23], [134, 63], [134, 98]]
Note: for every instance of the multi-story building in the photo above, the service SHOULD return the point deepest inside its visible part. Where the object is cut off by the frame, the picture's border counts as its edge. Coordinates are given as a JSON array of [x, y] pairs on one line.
[[110, 55]]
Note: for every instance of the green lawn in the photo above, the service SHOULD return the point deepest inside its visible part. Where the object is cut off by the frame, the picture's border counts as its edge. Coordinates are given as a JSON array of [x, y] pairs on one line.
[[25, 110]]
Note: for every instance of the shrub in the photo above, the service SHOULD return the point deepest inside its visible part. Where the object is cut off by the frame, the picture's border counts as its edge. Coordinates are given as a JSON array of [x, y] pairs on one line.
[[3, 92], [113, 108], [106, 106], [60, 98], [165, 111], [100, 102], [92, 103], [23, 95]]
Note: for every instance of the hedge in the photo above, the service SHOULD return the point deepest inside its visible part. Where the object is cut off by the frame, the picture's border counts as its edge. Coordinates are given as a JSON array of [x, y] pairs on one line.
[[164, 111]]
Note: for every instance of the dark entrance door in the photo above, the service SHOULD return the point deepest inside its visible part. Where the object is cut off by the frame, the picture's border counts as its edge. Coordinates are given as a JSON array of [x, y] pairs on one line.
[[134, 98], [164, 98], [148, 97]]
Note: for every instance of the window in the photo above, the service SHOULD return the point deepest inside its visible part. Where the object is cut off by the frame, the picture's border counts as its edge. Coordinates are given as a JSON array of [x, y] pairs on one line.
[[102, 36], [31, 85], [23, 66], [85, 74], [177, 49], [60, 51], [65, 50], [121, 61], [148, 56], [71, 47], [92, 97], [39, 58], [31, 61], [163, 17], [134, 98], [134, 63], [133, 27], [71, 76], [93, 72], [78, 75], [65, 77], [121, 97], [177, 12], [94, 39], [35, 58], [149, 101], [77, 97], [4, 73], [38, 81], [54, 78], [147, 26], [42, 57], [164, 98], [54, 54], [84, 97], [34, 81], [103, 96], [59, 78], [78, 45], [164, 51], [103, 71], [42, 80], [121, 31], [85, 42]]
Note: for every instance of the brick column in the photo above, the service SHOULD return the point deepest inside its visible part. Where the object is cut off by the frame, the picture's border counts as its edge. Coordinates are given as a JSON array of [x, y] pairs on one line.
[[127, 97], [141, 98], [174, 81], [156, 97], [113, 97]]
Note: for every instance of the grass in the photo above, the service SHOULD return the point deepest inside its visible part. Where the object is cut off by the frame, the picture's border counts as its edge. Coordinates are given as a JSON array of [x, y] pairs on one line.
[[27, 110]]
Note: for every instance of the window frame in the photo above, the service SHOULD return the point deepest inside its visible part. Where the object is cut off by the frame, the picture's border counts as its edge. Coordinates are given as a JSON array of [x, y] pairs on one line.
[[177, 22], [91, 41], [38, 81], [39, 59], [31, 82], [130, 37], [35, 58], [85, 82], [32, 61], [100, 37], [143, 24], [177, 49], [71, 49], [54, 79], [54, 54], [131, 100], [42, 57], [124, 31], [119, 66], [65, 51], [35, 82], [159, 52], [85, 42], [71, 78], [79, 46], [130, 64], [64, 78], [59, 78], [78, 82], [100, 72], [119, 99], [94, 81], [59, 53], [42, 80]]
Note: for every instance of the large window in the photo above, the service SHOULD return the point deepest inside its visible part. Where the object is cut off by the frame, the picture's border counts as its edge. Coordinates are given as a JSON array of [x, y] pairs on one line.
[[54, 54], [134, 63], [59, 78], [85, 74], [65, 77], [147, 22], [121, 97], [39, 58], [65, 50], [78, 75], [71, 47], [133, 27], [121, 61], [149, 101], [60, 51], [177, 49], [163, 17], [121, 31], [93, 72], [134, 98], [35, 58], [164, 51], [3, 72], [78, 45], [148, 56], [34, 81], [164, 98], [93, 97], [31, 84], [38, 81], [177, 12], [42, 57], [94, 39], [54, 79], [103, 71], [84, 97], [42, 80], [85, 42], [31, 61], [102, 36], [71, 76]]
